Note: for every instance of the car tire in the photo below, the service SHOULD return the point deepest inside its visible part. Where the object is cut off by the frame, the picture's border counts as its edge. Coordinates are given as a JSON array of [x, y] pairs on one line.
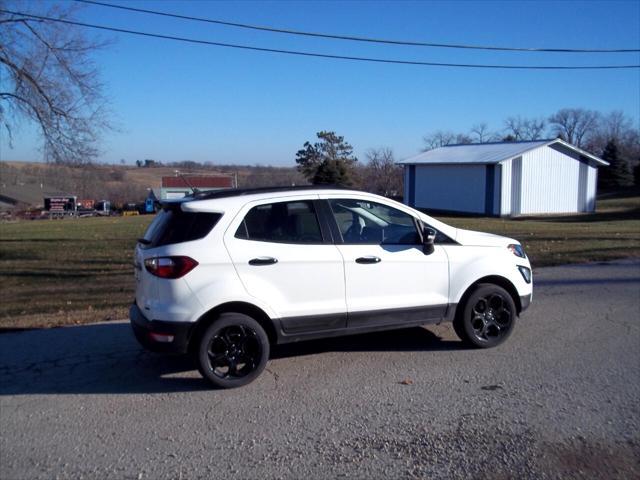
[[233, 351], [487, 317]]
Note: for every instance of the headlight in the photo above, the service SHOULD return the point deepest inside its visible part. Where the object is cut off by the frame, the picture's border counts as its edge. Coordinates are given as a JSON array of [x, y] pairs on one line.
[[517, 250]]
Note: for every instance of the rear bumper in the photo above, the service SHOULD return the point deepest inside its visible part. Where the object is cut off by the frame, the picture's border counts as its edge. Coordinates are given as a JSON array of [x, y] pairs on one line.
[[158, 335]]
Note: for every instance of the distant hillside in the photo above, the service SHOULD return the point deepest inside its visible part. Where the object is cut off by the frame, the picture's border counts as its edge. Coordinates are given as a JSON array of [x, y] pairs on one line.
[[120, 183]]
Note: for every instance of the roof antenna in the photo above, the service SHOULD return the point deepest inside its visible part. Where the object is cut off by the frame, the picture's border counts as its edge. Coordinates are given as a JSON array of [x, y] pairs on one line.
[[194, 190]]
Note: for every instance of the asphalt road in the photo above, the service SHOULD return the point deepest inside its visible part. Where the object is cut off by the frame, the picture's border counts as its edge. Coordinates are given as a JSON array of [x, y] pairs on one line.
[[561, 399]]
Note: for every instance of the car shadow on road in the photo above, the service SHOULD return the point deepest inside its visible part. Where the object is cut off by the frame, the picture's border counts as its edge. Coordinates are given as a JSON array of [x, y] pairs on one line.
[[97, 358], [105, 358], [406, 340]]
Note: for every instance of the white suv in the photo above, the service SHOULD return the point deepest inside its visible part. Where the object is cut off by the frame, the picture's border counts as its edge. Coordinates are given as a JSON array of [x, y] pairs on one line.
[[224, 275]]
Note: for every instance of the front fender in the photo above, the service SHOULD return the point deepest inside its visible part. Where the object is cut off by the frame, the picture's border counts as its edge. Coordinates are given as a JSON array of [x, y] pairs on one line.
[[468, 265]]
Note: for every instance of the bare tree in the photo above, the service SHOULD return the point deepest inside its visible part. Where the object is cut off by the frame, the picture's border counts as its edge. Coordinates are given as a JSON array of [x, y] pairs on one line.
[[48, 78], [481, 133], [534, 128], [462, 139], [614, 126], [524, 129], [617, 126], [616, 138], [381, 174], [438, 139], [513, 128], [442, 138], [574, 125]]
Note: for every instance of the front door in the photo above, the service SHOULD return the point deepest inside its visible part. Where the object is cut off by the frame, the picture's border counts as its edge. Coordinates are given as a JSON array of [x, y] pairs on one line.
[[389, 279]]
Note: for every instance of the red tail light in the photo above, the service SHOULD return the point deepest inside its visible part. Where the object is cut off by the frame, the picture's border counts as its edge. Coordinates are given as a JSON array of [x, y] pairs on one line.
[[170, 267]]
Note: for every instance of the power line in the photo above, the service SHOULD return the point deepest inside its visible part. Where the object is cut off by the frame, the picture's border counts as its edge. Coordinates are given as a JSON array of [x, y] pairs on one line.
[[361, 39], [321, 55]]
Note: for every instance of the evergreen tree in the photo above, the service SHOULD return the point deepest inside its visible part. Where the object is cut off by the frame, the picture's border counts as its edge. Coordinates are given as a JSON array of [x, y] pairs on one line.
[[328, 161], [332, 172], [617, 174]]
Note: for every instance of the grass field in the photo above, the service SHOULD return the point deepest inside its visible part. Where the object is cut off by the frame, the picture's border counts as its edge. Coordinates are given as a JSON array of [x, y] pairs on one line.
[[612, 232], [62, 272]]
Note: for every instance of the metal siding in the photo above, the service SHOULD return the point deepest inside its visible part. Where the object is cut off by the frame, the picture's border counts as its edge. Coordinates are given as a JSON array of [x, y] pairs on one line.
[[405, 196], [489, 188], [582, 187], [497, 182], [550, 182], [459, 188], [412, 185], [505, 203], [492, 190], [516, 187], [592, 180]]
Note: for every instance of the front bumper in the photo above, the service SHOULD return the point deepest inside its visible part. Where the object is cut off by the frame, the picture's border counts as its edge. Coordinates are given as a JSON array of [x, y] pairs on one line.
[[525, 301], [158, 335]]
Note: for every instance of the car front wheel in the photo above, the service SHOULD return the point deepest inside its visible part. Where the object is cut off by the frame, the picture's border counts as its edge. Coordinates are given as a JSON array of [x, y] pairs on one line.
[[487, 318], [233, 351]]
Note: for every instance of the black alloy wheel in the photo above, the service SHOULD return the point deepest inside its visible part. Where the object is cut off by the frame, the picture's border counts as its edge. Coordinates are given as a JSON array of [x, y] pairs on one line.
[[488, 317], [233, 351], [491, 317]]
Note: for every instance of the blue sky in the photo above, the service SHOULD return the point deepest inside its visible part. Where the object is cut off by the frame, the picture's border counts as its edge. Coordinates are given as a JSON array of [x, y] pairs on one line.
[[173, 101]]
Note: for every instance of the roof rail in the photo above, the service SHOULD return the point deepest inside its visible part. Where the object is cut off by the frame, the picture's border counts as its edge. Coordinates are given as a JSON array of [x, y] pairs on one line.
[[235, 192]]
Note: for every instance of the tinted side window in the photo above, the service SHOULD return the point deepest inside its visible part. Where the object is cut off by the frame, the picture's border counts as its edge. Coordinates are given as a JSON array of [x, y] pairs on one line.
[[361, 221], [175, 226], [284, 222]]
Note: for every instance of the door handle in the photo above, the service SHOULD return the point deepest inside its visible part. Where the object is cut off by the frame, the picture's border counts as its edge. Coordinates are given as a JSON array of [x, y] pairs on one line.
[[369, 259], [263, 261]]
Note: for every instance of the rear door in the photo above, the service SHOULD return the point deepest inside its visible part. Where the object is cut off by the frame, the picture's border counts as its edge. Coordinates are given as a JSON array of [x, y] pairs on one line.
[[286, 258], [389, 280]]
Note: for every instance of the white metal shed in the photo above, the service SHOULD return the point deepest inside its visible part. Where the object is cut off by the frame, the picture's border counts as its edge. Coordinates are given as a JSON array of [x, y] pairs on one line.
[[503, 179]]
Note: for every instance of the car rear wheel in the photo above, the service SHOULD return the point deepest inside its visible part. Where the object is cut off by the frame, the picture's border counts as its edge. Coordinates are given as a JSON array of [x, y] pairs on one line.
[[233, 351], [487, 318]]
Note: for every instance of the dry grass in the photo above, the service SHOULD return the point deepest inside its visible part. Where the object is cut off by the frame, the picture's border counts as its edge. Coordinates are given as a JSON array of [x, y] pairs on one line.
[[152, 177], [63, 272]]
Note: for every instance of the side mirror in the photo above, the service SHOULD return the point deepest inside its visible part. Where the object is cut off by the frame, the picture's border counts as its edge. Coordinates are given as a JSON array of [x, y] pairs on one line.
[[428, 240]]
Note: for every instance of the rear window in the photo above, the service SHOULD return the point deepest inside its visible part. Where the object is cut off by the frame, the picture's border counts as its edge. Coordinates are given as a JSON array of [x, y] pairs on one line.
[[175, 226]]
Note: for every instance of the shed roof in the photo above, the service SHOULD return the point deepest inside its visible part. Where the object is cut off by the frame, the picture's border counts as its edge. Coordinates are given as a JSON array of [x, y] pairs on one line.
[[490, 153]]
